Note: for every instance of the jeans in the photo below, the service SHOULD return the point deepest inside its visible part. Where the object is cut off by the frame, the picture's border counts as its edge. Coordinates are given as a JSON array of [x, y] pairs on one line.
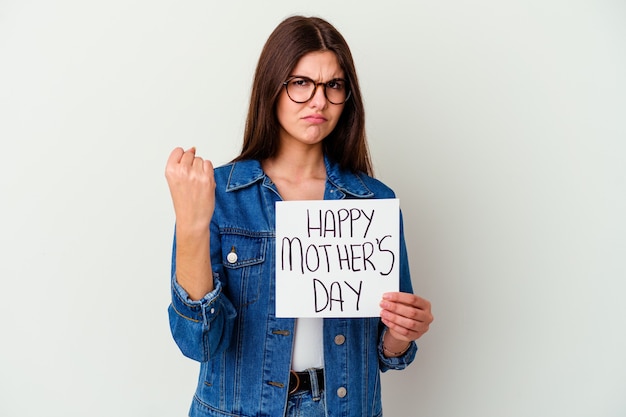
[[307, 403]]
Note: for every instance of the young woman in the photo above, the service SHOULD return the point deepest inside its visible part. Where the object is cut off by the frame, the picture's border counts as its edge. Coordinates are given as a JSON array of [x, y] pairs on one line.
[[304, 140]]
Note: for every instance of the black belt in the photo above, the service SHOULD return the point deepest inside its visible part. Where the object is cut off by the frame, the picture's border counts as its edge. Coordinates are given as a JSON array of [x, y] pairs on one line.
[[301, 381]]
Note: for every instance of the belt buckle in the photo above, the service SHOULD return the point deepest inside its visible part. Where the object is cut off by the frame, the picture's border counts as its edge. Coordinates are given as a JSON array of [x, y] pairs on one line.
[[297, 382]]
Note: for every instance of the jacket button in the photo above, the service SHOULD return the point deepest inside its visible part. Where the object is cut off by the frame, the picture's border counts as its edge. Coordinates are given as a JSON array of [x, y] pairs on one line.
[[340, 339], [341, 392], [232, 256]]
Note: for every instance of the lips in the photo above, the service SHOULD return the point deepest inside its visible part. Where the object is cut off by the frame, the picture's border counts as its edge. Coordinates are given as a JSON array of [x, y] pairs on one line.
[[315, 118]]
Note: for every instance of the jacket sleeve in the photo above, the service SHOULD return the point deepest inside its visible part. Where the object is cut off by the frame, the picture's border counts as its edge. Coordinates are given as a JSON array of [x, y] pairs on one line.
[[202, 329], [405, 359]]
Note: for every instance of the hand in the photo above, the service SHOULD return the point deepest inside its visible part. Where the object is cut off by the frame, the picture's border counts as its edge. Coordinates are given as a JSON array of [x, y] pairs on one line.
[[407, 317], [192, 187]]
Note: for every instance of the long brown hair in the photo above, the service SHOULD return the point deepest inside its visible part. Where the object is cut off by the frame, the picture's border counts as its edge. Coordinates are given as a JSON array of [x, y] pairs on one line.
[[293, 38]]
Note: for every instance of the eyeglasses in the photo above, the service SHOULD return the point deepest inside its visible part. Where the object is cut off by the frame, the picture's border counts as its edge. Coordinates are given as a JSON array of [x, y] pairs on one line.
[[302, 89]]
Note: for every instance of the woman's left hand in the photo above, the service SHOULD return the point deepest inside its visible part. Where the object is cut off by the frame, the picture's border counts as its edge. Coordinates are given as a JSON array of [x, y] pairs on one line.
[[407, 316]]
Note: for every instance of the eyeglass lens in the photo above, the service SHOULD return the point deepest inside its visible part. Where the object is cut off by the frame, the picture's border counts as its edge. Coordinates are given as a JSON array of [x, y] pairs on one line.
[[302, 89]]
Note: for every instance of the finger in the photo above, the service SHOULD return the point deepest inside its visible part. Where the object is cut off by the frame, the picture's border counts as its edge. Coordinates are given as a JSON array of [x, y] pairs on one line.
[[399, 301], [408, 299], [422, 303], [175, 156], [402, 330], [403, 310], [400, 297], [208, 166], [172, 164], [409, 318], [188, 157], [198, 163]]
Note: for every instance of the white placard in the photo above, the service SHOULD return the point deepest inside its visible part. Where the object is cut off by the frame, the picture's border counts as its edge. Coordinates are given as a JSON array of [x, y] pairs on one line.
[[335, 258]]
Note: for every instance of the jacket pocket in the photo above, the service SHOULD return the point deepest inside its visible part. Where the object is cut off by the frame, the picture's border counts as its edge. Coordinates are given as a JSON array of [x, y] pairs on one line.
[[244, 261]]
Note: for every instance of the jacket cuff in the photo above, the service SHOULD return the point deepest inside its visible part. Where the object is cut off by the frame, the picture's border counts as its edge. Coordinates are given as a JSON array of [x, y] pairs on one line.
[[396, 363], [200, 311]]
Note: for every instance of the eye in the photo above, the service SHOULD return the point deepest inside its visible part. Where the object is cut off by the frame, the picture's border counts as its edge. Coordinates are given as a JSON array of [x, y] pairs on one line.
[[300, 82], [337, 84]]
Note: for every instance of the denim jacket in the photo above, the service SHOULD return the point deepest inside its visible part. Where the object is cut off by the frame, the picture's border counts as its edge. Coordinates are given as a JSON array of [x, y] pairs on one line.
[[244, 350]]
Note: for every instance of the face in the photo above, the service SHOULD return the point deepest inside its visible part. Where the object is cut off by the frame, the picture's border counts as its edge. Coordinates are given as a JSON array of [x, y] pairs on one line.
[[310, 122]]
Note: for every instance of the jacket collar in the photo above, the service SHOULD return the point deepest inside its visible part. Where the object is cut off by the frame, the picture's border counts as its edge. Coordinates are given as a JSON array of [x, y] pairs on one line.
[[245, 173]]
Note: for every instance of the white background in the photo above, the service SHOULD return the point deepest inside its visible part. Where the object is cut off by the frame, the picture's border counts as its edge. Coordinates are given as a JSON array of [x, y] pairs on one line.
[[500, 124]]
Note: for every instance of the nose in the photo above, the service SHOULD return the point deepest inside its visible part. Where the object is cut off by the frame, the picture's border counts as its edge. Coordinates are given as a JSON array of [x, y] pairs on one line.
[[319, 97]]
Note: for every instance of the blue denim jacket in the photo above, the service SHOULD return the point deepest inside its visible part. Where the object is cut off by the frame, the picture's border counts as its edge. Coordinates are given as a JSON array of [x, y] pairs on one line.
[[244, 350]]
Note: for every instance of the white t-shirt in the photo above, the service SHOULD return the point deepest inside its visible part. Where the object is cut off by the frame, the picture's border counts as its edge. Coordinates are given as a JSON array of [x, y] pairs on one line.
[[308, 344]]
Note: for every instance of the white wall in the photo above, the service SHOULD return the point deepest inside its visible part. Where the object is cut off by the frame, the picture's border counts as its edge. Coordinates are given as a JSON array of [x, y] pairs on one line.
[[500, 124]]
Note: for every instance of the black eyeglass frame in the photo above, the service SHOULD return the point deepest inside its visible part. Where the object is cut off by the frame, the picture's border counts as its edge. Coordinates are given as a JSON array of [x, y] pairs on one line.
[[286, 83]]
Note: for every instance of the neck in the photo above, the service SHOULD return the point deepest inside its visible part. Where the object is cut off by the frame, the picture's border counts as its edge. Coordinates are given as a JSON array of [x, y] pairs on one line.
[[297, 165], [297, 176]]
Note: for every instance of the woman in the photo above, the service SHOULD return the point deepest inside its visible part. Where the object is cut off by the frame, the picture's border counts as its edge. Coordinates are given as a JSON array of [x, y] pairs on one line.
[[304, 140]]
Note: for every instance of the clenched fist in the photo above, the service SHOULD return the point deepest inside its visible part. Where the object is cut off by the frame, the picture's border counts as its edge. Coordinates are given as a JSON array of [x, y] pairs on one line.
[[192, 186]]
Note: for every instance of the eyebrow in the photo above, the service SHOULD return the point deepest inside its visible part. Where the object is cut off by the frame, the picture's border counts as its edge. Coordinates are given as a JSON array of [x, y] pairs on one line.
[[309, 78]]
